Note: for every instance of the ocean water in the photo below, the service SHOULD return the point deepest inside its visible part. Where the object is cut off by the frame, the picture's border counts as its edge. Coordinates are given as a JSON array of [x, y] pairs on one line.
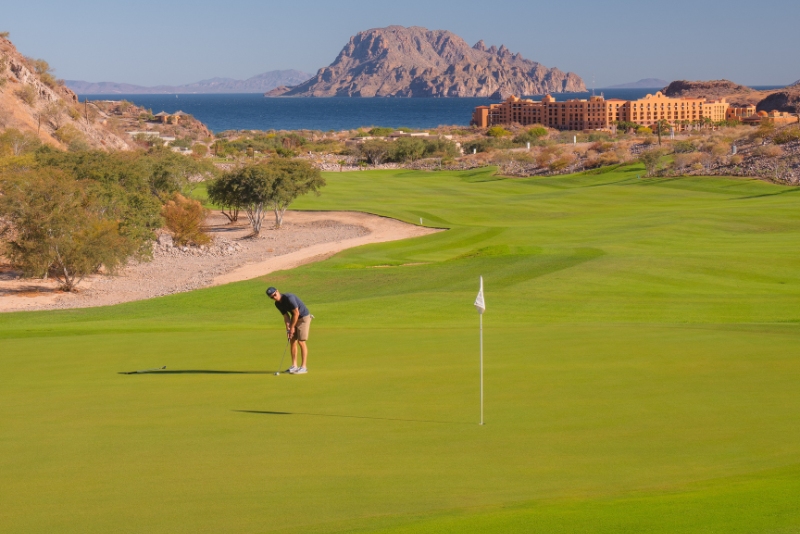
[[255, 112]]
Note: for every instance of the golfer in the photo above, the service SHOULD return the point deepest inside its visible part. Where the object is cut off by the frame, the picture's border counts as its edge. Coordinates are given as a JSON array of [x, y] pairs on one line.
[[298, 321]]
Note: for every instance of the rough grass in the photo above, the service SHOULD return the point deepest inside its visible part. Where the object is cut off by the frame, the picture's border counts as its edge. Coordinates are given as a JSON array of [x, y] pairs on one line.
[[642, 359]]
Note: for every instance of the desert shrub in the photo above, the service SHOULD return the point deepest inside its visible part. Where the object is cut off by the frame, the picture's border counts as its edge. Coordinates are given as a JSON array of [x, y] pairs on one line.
[[184, 217], [16, 143], [684, 160], [28, 94], [644, 130], [54, 113], [544, 156], [497, 131], [736, 160], [719, 149], [561, 162], [440, 148], [4, 35], [182, 143], [531, 136], [124, 106], [68, 134], [649, 140], [380, 132], [768, 151], [601, 147], [479, 145], [74, 114], [683, 147], [609, 158], [787, 136], [200, 150]]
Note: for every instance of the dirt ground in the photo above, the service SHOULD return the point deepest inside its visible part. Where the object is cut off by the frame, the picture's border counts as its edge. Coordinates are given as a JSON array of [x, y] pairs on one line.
[[231, 257]]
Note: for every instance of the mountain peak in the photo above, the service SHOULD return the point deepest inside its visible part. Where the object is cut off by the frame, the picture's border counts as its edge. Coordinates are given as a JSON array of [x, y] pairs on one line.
[[415, 61]]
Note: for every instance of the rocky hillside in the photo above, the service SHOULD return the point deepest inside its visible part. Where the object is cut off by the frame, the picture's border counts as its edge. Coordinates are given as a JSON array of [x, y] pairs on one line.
[[416, 62], [32, 100], [256, 84], [712, 89], [786, 99], [782, 100]]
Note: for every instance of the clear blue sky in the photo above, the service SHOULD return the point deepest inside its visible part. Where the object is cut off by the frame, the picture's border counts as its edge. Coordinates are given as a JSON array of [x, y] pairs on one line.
[[150, 42]]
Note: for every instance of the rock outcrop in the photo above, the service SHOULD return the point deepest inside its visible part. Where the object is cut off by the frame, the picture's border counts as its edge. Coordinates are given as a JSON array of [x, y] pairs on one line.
[[415, 62], [711, 89]]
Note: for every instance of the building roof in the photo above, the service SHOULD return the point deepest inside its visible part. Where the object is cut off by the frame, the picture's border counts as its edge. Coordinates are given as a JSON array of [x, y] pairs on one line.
[[162, 114], [180, 114]]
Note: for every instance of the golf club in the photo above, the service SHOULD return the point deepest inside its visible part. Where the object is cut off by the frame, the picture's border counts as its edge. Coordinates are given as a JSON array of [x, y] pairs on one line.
[[146, 370], [284, 354]]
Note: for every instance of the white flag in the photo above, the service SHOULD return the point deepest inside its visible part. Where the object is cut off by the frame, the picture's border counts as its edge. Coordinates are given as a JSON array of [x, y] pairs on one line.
[[480, 305]]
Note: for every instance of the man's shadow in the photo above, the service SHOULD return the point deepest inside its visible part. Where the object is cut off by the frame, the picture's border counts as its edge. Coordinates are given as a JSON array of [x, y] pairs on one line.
[[196, 372], [353, 417]]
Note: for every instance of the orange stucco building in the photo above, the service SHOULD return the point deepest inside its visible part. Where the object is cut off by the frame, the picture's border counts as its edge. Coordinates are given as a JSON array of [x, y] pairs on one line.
[[598, 113]]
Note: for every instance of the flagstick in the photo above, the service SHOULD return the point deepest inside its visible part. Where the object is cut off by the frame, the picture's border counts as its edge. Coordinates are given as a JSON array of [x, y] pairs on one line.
[[481, 320]]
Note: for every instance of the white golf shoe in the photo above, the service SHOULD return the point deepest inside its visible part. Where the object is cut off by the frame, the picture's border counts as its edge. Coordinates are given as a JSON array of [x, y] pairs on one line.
[[300, 371], [291, 369]]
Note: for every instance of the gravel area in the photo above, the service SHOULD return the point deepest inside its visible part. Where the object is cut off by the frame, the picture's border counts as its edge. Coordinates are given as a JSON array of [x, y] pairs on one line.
[[176, 270]]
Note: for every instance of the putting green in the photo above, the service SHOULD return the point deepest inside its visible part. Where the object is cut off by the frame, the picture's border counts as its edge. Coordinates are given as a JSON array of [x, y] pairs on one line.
[[642, 365]]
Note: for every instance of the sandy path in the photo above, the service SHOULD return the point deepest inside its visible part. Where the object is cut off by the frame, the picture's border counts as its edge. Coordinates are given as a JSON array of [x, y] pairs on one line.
[[306, 237], [381, 229]]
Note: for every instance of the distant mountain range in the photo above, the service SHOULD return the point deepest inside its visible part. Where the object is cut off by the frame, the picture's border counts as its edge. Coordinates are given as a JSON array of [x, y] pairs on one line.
[[646, 83], [415, 62], [257, 84]]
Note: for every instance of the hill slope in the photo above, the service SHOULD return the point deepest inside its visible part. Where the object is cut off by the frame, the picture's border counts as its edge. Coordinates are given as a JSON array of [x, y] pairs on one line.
[[257, 84], [32, 101], [399, 61], [786, 99]]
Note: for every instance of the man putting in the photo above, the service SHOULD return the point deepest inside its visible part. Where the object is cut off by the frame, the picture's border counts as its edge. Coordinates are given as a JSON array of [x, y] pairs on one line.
[[298, 321]]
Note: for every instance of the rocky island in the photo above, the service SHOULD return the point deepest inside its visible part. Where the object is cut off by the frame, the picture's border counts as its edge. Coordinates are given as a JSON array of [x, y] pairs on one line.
[[417, 62]]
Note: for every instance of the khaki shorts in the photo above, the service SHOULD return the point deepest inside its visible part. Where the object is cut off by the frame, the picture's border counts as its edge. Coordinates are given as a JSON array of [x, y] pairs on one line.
[[301, 329]]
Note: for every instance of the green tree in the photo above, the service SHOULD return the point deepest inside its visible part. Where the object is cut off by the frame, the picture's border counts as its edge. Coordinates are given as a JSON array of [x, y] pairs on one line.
[[375, 151], [170, 171], [273, 185], [224, 192], [61, 226], [408, 149], [651, 159]]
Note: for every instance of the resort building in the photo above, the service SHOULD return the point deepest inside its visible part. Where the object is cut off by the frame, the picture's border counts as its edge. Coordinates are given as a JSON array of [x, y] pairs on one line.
[[597, 113], [736, 113]]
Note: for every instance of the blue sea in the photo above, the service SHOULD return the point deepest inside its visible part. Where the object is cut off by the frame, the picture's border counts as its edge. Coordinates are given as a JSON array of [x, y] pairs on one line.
[[255, 112]]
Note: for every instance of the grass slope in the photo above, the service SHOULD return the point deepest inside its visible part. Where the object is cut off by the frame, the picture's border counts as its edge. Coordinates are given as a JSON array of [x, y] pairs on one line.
[[642, 369]]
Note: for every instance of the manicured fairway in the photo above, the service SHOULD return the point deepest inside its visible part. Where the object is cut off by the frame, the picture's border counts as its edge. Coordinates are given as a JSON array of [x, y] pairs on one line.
[[642, 375]]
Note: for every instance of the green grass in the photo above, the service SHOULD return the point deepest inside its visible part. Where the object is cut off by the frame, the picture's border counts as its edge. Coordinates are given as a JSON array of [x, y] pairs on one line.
[[642, 363]]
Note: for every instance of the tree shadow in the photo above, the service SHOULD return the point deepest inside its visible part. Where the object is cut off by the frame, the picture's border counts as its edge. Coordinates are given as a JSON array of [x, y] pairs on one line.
[[196, 372], [354, 417]]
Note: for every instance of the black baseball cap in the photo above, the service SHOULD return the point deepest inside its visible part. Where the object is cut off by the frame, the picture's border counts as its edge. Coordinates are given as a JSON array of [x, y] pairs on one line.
[[271, 291]]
